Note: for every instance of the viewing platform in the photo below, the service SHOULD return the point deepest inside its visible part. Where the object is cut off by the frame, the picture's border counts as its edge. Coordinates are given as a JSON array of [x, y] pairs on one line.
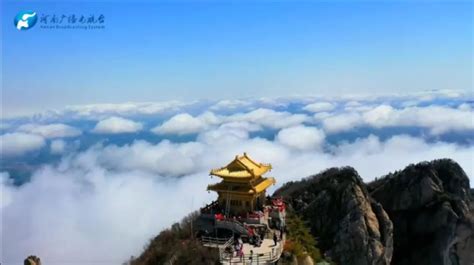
[[243, 223], [266, 253]]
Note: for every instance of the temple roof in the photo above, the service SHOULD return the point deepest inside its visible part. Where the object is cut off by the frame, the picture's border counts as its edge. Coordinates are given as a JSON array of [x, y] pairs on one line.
[[264, 185], [242, 167], [259, 187]]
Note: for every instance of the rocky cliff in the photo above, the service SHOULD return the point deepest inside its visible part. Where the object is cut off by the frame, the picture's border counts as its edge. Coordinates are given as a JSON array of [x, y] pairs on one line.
[[420, 215], [351, 228], [430, 206]]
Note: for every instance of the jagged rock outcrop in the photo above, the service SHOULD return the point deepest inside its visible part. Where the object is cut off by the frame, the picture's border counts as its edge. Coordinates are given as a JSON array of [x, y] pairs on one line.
[[422, 215], [32, 260], [350, 227], [430, 206]]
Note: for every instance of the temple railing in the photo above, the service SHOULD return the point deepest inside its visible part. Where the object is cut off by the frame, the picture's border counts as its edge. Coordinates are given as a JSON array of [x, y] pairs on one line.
[[269, 257], [217, 242]]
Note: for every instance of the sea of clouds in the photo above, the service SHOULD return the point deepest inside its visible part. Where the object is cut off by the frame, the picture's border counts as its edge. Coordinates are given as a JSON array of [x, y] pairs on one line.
[[111, 176]]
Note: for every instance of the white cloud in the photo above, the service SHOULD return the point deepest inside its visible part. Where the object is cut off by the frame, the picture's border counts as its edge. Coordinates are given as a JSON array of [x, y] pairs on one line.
[[6, 195], [4, 125], [56, 130], [342, 122], [380, 116], [321, 115], [373, 157], [301, 137], [229, 104], [119, 197], [240, 105], [86, 214], [242, 125], [410, 103], [57, 146], [129, 109], [319, 106], [165, 158], [437, 119], [114, 125], [14, 144], [224, 135], [353, 103], [186, 124], [465, 107], [122, 109], [270, 118]]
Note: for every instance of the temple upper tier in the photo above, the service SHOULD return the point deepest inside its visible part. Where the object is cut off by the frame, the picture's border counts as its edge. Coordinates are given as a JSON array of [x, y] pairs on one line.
[[242, 167]]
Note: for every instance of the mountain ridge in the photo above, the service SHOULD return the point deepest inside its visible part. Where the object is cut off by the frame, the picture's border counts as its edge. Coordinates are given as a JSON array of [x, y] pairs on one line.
[[422, 214]]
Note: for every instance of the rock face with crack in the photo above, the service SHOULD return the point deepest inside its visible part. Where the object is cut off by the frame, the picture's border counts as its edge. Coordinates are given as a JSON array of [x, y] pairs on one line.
[[350, 227], [430, 206]]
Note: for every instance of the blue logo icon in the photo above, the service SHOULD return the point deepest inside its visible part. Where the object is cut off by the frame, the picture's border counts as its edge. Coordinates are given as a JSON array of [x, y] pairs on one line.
[[25, 20]]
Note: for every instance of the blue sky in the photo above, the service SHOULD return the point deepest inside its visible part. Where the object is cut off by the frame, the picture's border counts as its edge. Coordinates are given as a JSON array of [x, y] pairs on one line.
[[215, 50]]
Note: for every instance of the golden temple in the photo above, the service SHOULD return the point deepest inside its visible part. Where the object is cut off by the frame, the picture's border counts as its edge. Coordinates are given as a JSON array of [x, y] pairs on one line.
[[242, 188]]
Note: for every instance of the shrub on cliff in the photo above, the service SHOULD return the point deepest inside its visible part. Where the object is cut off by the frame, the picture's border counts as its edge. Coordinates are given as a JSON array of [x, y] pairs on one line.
[[177, 246], [299, 241]]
